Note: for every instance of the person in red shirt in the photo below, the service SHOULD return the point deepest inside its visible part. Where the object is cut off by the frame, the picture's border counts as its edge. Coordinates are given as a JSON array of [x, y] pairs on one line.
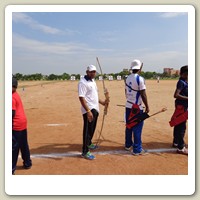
[[19, 130]]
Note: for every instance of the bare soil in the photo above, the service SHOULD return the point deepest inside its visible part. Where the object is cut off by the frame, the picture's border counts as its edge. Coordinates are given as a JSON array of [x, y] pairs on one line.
[[55, 132]]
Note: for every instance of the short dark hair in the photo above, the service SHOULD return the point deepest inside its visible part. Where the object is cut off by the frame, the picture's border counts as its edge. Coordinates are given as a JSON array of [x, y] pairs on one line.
[[134, 71], [184, 69], [14, 82]]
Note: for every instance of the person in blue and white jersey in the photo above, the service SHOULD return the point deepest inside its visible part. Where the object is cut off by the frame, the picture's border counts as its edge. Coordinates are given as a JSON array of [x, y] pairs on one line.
[[135, 91]]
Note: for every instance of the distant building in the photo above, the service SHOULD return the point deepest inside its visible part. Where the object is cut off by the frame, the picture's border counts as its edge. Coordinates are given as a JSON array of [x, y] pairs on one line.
[[171, 71]]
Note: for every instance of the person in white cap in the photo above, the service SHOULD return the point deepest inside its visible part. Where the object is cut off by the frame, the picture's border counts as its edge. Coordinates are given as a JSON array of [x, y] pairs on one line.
[[88, 96], [135, 91]]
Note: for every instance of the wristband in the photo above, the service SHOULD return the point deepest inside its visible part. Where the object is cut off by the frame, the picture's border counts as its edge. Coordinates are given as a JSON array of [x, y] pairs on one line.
[[87, 111]]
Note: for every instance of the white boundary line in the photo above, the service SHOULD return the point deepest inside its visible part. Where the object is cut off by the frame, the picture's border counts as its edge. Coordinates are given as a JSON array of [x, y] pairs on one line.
[[109, 152], [55, 124]]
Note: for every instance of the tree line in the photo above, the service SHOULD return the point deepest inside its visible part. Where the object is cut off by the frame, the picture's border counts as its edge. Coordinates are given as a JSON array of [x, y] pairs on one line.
[[66, 76]]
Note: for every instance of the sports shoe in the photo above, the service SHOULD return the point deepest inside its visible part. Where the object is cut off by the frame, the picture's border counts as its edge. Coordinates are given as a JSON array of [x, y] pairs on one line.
[[183, 151], [27, 167], [143, 152], [88, 156], [92, 147], [174, 145], [127, 148]]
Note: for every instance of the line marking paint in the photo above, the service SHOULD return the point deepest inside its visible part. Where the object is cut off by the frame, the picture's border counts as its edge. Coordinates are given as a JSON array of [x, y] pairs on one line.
[[55, 124], [161, 150], [108, 152]]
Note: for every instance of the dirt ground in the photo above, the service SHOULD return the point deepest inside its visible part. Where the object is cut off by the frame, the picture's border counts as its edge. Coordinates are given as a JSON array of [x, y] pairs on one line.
[[55, 132]]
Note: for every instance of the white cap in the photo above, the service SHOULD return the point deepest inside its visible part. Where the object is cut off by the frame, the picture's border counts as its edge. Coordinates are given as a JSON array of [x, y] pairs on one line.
[[136, 64], [91, 68]]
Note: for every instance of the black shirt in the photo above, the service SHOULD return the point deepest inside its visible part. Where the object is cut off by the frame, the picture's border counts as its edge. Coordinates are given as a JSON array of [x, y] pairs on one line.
[[182, 85]]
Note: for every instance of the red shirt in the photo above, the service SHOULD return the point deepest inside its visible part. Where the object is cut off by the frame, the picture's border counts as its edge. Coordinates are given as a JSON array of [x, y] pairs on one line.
[[19, 120]]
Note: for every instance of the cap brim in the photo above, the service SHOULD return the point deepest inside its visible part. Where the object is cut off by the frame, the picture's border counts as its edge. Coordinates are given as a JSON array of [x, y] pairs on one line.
[[135, 68]]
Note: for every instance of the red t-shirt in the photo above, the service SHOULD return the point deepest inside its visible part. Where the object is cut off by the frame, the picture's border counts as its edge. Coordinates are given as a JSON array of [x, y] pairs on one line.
[[19, 120]]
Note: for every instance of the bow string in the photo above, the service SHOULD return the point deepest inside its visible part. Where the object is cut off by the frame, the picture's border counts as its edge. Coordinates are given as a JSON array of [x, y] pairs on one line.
[[106, 94]]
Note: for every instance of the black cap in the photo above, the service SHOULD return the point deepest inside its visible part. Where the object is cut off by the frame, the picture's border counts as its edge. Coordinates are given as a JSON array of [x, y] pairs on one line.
[[14, 82]]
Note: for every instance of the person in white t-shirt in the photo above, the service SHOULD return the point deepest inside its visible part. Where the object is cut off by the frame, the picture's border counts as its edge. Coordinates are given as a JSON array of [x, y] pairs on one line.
[[135, 91], [88, 96]]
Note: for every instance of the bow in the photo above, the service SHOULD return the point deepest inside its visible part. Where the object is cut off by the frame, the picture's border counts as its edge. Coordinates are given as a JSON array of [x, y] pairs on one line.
[[107, 101]]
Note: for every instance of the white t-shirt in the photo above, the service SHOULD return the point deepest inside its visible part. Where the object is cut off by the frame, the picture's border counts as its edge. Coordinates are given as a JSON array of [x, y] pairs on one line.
[[88, 90], [137, 83]]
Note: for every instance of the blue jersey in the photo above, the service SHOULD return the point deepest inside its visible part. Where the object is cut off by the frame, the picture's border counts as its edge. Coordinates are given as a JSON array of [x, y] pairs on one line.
[[182, 85]]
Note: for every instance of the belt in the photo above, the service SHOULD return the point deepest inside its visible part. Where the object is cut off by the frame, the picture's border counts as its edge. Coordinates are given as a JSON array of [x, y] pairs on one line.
[[133, 103]]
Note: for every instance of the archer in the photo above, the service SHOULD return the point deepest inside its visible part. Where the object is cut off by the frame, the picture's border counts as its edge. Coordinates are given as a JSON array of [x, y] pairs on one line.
[[135, 91], [88, 96]]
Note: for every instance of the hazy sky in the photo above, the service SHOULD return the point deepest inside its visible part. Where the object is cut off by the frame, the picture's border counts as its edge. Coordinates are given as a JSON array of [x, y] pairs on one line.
[[58, 42]]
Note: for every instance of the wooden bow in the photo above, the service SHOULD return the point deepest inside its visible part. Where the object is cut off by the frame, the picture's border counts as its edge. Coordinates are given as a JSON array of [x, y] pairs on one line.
[[106, 93]]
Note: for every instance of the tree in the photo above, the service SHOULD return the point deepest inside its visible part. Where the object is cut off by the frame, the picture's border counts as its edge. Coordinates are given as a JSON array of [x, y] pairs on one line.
[[124, 74], [36, 76], [18, 76], [65, 76], [77, 76], [148, 75], [52, 77]]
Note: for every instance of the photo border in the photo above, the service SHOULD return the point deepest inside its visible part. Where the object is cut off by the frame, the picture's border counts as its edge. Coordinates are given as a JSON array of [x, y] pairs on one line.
[[17, 185]]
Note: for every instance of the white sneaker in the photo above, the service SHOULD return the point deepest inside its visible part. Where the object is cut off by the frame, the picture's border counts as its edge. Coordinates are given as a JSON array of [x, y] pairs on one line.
[[127, 148], [174, 145], [183, 151], [143, 152]]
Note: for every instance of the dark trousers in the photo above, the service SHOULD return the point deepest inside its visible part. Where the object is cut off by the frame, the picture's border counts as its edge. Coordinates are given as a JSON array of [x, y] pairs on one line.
[[88, 130], [20, 142], [133, 136], [179, 133]]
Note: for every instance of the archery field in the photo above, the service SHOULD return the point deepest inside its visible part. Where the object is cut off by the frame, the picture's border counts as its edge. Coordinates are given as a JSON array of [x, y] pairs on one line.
[[55, 132]]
